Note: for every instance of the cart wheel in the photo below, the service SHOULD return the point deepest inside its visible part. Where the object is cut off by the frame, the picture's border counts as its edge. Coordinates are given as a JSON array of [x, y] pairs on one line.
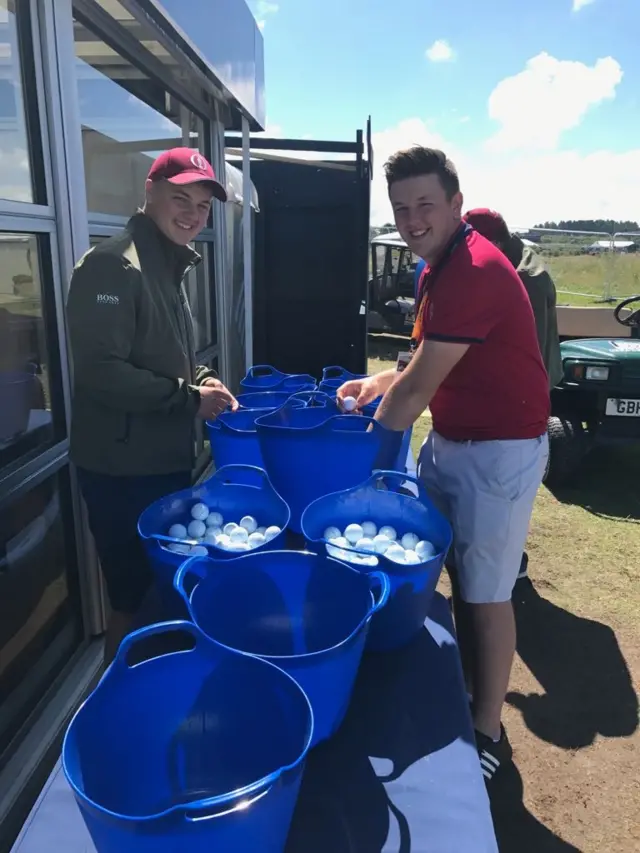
[[567, 449]]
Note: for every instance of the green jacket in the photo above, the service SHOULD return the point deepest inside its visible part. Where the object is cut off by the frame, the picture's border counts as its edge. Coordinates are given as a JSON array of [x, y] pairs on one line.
[[542, 294], [131, 333]]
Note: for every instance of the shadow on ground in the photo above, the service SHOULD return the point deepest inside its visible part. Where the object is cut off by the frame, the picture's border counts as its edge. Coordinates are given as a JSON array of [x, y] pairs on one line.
[[608, 484], [588, 690]]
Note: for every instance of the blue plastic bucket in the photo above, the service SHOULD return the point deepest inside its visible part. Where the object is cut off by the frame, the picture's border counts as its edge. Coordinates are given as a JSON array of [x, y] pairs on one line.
[[308, 614], [315, 399], [312, 452], [234, 491], [330, 387], [193, 751], [412, 587], [263, 377], [233, 437]]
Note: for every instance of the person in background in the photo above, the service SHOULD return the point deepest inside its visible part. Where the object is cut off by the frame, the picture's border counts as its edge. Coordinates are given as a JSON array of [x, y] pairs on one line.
[[540, 289], [477, 365], [137, 389]]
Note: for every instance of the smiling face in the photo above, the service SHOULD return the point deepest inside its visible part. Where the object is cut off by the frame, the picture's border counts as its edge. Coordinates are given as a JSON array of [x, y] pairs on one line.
[[180, 212], [425, 216]]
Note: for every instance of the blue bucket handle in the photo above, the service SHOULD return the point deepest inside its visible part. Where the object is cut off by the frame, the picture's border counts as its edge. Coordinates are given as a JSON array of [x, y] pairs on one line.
[[120, 661], [308, 398], [255, 477], [399, 477], [191, 566], [334, 424], [261, 371], [334, 371], [160, 537], [380, 579]]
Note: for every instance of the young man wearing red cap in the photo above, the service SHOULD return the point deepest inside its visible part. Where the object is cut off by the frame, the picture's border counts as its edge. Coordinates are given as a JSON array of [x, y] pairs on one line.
[[477, 365], [137, 389]]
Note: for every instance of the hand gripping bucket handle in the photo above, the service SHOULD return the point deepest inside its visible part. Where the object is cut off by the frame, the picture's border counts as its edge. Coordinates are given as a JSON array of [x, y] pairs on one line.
[[209, 807]]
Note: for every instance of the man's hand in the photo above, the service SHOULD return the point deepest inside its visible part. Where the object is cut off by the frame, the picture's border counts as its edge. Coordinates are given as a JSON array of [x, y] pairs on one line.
[[215, 399], [365, 390]]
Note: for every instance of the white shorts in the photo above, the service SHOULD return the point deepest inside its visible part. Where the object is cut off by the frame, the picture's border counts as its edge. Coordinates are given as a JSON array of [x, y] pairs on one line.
[[486, 489]]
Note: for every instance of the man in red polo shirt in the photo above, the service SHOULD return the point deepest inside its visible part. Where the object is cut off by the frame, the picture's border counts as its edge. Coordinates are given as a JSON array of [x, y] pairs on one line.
[[478, 367]]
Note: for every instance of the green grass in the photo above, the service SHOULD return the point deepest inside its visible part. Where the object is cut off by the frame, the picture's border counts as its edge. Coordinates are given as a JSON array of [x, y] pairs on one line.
[[587, 274]]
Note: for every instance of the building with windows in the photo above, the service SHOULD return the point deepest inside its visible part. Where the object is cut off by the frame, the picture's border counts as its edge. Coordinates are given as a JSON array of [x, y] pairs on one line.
[[90, 92]]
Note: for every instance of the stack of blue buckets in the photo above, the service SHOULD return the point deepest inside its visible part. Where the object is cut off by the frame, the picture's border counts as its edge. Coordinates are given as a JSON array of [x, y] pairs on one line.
[[203, 749]]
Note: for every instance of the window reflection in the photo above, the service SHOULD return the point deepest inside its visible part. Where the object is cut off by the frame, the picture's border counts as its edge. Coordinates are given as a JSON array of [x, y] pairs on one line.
[[38, 623], [15, 170], [26, 424], [127, 121]]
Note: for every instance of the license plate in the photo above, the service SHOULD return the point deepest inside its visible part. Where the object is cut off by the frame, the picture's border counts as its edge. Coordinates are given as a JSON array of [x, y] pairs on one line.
[[624, 408]]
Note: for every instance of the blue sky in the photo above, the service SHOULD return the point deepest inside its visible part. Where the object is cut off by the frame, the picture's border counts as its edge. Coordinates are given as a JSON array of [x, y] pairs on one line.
[[538, 104]]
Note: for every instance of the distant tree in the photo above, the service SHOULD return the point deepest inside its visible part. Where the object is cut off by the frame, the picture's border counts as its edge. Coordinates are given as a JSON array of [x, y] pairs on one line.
[[609, 226]]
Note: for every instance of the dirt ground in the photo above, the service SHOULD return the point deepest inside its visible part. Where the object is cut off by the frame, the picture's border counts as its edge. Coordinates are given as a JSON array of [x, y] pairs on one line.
[[572, 712]]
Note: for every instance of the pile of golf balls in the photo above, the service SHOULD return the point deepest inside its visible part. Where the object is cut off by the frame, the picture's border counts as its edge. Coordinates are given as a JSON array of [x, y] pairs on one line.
[[365, 538], [208, 527]]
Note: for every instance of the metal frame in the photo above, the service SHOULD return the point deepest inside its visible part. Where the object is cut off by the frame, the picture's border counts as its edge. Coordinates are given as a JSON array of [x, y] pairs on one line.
[[220, 265], [247, 244]]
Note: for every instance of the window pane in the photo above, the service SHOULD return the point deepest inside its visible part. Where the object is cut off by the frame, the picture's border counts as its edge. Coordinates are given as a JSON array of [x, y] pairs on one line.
[[127, 121], [39, 611], [15, 169], [27, 423], [200, 291]]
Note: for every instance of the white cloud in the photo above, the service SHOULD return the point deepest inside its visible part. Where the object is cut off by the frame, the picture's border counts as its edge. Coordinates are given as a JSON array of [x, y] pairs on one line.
[[440, 51], [551, 96], [580, 4], [526, 188], [261, 10]]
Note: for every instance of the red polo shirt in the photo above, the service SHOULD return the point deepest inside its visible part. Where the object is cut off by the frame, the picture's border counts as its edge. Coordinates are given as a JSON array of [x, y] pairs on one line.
[[499, 389]]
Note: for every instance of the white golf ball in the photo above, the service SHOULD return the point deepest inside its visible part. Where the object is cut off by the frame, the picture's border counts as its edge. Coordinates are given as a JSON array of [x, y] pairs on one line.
[[368, 560], [366, 544], [409, 541], [197, 529], [353, 533], [425, 550], [179, 549], [256, 540], [411, 558], [249, 524], [200, 512], [229, 528], [212, 534], [395, 553], [223, 541], [214, 519], [369, 529], [349, 404], [178, 531], [199, 551], [239, 535], [381, 543], [332, 533], [335, 552], [389, 532], [238, 546], [271, 532]]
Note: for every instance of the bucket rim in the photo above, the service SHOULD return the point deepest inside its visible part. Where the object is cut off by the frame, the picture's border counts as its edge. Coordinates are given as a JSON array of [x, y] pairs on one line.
[[237, 798], [188, 564]]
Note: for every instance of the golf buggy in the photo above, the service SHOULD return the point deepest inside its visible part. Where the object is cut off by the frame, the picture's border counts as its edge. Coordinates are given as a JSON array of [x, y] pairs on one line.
[[598, 399], [391, 286]]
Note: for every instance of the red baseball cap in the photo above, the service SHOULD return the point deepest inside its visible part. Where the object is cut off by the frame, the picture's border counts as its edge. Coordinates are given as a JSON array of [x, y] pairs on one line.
[[488, 223], [183, 166]]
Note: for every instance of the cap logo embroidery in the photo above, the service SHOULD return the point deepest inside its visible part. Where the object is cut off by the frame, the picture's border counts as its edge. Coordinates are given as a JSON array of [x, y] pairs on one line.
[[199, 162]]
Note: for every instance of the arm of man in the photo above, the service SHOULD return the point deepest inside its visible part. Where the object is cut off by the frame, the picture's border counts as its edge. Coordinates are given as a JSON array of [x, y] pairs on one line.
[[413, 390], [101, 312]]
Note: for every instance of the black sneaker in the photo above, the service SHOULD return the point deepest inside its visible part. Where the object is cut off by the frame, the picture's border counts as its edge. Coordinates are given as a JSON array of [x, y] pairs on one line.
[[493, 755]]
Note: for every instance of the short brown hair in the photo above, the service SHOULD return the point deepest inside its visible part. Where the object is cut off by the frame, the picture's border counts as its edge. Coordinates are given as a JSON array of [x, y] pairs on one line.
[[415, 161]]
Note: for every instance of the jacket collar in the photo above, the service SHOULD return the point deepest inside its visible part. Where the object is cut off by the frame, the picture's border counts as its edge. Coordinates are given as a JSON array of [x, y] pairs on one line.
[[158, 248]]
